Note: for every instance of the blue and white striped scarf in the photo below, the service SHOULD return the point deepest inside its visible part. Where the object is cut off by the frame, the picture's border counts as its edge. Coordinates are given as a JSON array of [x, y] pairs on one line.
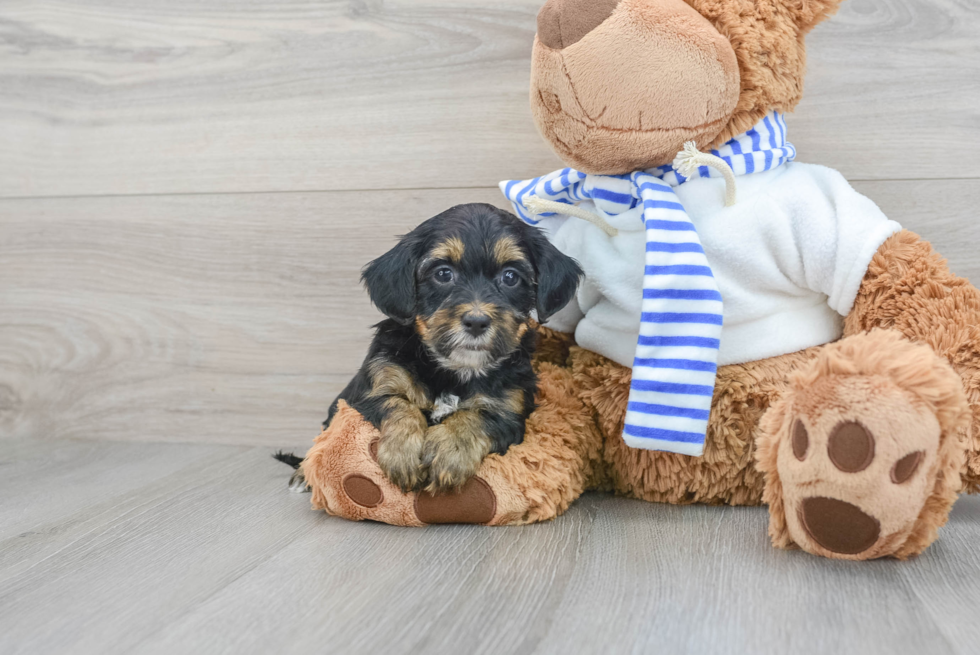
[[680, 325]]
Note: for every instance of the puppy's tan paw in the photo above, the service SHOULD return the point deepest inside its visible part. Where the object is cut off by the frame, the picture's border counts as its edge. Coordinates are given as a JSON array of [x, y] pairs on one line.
[[400, 452], [453, 452], [402, 465]]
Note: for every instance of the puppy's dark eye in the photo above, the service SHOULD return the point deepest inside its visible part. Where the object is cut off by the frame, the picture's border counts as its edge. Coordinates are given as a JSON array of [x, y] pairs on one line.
[[443, 275], [510, 278]]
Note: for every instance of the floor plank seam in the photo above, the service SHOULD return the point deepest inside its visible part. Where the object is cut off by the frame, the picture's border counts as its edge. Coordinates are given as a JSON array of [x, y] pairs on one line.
[[269, 192]]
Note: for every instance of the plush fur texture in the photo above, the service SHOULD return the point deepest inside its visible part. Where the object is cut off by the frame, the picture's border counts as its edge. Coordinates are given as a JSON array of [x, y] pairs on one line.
[[768, 39], [724, 474]]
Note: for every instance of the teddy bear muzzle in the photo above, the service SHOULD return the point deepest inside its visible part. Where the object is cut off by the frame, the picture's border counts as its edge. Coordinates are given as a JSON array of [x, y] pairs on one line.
[[618, 86], [564, 22]]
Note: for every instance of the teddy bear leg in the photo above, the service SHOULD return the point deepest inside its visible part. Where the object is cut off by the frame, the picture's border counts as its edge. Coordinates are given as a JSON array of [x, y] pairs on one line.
[[726, 472], [862, 456], [533, 481]]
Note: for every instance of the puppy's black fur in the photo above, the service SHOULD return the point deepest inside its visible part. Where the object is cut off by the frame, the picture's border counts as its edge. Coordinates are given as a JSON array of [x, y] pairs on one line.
[[448, 378], [288, 458]]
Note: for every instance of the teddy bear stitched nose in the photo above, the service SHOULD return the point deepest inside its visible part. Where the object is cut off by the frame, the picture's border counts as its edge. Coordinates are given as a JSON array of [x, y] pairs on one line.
[[563, 22]]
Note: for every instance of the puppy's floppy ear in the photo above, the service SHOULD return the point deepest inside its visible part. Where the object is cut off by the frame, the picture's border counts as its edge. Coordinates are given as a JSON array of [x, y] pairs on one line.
[[557, 274], [390, 280]]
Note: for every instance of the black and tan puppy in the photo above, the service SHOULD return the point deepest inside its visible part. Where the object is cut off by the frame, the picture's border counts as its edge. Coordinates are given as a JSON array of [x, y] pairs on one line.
[[448, 379]]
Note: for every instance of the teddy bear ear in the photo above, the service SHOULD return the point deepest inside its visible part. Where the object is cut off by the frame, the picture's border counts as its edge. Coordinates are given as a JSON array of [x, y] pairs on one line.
[[808, 13]]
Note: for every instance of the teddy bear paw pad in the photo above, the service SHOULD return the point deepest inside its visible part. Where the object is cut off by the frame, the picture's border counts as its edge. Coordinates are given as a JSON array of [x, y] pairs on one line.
[[475, 502], [838, 526], [855, 478]]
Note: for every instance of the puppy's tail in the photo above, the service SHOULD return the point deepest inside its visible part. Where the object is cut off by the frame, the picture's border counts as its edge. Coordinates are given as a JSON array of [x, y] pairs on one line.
[[297, 482], [288, 458]]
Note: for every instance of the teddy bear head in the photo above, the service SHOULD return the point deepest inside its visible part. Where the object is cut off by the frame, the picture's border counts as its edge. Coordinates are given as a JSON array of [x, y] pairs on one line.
[[621, 85]]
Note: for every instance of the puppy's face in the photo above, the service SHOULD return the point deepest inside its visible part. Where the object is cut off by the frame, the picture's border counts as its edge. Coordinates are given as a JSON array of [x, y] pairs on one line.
[[475, 292], [468, 279]]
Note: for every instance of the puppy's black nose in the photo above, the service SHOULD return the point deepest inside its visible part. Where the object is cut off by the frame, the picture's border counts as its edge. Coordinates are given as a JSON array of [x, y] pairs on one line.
[[476, 324]]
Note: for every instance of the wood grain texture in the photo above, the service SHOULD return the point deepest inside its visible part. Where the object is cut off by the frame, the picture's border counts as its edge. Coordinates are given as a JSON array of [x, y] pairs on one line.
[[234, 319], [238, 318], [130, 97], [211, 554]]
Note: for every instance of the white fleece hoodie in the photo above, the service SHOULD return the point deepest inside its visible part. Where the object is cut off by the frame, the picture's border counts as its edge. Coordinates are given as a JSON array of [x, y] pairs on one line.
[[788, 257]]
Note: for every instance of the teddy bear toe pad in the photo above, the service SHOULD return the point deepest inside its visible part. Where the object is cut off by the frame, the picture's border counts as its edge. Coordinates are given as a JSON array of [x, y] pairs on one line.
[[362, 491]]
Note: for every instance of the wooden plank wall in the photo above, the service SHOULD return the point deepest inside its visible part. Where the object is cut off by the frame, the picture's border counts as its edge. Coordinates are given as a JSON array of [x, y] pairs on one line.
[[188, 189]]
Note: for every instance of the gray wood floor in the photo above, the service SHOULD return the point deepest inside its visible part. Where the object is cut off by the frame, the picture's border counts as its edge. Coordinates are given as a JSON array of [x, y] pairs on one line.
[[188, 190], [112, 547]]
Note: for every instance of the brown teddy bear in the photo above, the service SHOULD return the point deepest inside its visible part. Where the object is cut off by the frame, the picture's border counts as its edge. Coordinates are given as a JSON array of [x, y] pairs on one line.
[[844, 384]]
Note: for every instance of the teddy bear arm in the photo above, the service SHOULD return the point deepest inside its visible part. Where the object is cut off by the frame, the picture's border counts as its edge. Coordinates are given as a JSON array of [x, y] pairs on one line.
[[909, 288]]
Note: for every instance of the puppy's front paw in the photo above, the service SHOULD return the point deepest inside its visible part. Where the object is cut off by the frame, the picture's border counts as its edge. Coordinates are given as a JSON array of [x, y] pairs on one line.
[[453, 452], [401, 463], [400, 453], [297, 483]]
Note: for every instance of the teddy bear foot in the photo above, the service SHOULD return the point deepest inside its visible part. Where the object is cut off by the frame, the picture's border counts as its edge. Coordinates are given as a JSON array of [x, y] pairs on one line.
[[474, 502], [342, 472], [856, 490], [865, 459], [535, 480]]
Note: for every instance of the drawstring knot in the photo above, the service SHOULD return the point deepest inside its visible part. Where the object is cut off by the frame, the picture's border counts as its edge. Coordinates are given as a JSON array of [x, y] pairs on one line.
[[690, 158]]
